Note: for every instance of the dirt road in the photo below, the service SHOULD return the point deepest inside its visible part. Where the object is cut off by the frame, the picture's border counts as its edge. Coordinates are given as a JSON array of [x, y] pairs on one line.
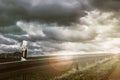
[[115, 75]]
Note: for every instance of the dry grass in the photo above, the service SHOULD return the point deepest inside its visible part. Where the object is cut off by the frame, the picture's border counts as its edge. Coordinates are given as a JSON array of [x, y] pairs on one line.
[[98, 72]]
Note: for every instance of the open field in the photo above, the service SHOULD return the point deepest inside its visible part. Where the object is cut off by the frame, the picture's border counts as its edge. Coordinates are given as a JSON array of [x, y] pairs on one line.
[[100, 71], [58, 67]]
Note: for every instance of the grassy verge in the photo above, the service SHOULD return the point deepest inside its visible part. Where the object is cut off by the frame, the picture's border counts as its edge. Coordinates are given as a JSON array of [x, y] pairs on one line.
[[98, 72]]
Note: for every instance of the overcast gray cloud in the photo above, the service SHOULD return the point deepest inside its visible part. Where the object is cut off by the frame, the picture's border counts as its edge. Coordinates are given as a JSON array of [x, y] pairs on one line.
[[62, 11], [106, 5], [97, 29]]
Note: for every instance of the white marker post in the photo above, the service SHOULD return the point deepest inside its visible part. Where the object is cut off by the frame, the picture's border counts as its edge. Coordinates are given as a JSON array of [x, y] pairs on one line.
[[24, 49]]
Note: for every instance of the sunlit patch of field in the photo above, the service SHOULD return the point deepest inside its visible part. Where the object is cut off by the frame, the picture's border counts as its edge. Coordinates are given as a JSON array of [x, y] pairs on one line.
[[99, 71], [80, 67]]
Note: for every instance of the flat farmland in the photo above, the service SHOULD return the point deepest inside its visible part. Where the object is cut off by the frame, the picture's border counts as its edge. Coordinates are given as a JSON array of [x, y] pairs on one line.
[[61, 67]]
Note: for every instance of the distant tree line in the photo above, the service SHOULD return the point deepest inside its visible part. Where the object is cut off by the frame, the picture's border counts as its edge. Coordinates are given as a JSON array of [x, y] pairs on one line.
[[14, 55]]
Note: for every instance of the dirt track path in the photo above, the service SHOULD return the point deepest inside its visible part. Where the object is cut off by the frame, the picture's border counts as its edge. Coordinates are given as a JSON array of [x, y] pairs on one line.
[[115, 75]]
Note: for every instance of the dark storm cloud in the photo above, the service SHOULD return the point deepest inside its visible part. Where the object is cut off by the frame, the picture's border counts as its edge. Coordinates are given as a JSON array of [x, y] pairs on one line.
[[61, 11], [106, 5], [94, 33]]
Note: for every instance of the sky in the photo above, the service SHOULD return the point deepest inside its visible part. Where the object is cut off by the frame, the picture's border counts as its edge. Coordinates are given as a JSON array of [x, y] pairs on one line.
[[60, 26]]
